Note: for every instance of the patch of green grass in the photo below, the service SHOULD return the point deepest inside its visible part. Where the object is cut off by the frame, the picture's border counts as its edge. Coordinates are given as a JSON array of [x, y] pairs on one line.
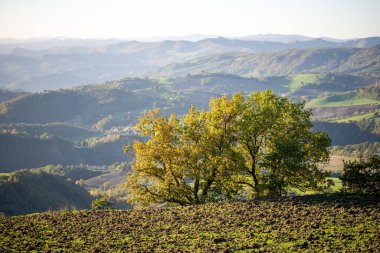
[[341, 99], [333, 189], [165, 80], [301, 80], [337, 184]]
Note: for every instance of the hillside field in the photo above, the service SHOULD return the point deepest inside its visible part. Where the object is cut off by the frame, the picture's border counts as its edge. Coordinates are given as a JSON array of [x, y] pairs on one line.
[[343, 99], [317, 223]]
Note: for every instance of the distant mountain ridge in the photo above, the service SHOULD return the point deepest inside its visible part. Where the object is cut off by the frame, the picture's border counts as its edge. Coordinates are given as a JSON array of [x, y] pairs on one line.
[[68, 64]]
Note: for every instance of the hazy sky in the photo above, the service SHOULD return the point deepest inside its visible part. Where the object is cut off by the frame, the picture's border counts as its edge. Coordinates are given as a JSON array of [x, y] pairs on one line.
[[146, 18]]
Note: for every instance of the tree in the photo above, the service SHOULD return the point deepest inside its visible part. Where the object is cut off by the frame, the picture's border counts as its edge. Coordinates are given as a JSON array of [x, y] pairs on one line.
[[279, 148], [362, 176], [182, 163], [257, 144]]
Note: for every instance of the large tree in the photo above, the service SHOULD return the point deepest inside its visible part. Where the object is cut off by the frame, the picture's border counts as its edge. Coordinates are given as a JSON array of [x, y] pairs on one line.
[[280, 149], [256, 144]]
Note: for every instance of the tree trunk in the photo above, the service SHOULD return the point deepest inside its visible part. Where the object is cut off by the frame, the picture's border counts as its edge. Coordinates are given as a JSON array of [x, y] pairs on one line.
[[207, 185], [254, 176], [196, 188]]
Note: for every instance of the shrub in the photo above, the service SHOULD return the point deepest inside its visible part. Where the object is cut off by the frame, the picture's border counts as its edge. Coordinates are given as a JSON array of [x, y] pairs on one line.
[[362, 176], [101, 204]]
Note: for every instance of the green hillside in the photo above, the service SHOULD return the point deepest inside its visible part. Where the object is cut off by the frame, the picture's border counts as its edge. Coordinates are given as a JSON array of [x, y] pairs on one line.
[[314, 84], [316, 223], [302, 80], [117, 103], [342, 99], [83, 105], [28, 192], [366, 116]]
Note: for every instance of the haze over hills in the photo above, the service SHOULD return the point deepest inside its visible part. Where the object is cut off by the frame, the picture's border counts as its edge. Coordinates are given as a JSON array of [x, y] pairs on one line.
[[54, 64]]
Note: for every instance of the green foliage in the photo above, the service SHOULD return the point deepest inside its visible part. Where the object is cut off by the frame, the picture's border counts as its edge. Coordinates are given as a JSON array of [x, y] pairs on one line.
[[362, 176], [101, 204], [300, 224], [239, 146]]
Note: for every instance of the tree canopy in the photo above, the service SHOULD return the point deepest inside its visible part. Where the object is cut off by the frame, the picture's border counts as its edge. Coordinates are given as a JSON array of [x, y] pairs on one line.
[[243, 146]]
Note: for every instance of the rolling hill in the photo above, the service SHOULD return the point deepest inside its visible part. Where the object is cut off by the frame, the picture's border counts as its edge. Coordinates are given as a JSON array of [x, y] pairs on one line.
[[83, 105]]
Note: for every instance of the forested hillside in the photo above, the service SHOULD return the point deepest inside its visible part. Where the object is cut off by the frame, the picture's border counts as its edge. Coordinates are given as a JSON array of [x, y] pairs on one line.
[[23, 151], [83, 105], [28, 192]]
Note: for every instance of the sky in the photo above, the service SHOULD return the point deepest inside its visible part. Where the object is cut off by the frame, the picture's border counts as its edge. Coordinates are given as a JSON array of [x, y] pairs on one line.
[[124, 19]]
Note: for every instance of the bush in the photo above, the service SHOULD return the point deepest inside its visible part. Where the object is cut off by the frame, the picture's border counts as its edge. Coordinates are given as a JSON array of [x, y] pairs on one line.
[[362, 176], [101, 204]]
